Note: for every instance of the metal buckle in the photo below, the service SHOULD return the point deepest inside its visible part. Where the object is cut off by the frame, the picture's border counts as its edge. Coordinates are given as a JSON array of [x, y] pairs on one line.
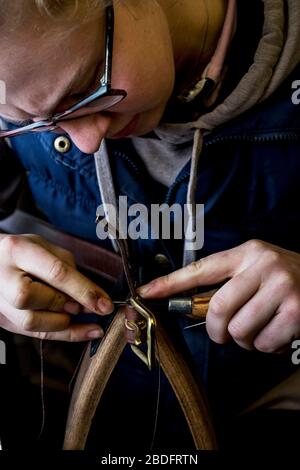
[[138, 327], [148, 357]]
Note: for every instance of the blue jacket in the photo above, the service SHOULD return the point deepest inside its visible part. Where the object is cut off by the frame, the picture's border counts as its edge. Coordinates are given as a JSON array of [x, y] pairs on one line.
[[249, 182]]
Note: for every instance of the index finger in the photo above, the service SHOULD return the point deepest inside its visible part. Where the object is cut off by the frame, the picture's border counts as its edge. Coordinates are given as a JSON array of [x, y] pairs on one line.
[[204, 272], [35, 260]]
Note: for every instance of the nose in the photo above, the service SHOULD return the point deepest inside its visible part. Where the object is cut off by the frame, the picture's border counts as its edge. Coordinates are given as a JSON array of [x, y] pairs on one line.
[[87, 132]]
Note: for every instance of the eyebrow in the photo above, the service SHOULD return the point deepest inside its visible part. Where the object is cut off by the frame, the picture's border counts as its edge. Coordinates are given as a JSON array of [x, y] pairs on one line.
[[67, 92], [15, 121]]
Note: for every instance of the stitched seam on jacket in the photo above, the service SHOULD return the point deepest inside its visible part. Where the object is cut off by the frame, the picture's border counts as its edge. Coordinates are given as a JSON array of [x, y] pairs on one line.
[[82, 171], [76, 197]]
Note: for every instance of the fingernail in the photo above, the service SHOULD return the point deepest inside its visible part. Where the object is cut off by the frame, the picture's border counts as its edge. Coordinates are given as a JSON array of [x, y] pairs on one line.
[[72, 307], [94, 334], [105, 305]]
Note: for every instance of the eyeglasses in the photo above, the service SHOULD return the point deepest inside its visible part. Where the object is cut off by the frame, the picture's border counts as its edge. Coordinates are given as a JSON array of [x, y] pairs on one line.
[[105, 97]]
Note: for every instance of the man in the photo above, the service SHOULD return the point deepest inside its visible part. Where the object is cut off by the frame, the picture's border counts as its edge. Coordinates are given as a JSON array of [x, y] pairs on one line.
[[222, 92]]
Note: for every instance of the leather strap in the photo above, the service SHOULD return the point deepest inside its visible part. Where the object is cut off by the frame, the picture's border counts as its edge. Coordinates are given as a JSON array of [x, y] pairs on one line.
[[90, 384], [95, 372]]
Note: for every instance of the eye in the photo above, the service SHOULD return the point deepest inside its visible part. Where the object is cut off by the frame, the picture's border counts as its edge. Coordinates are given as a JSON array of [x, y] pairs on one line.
[[96, 82], [20, 123], [78, 96], [75, 97]]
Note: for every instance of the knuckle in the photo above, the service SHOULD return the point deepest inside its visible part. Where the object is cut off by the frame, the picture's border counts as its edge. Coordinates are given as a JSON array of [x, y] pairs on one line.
[[272, 258], [9, 244], [22, 298], [285, 281], [164, 281], [217, 331], [194, 267], [237, 330], [88, 296], [57, 302], [255, 245], [59, 271], [217, 336], [217, 305], [85, 293], [29, 321]]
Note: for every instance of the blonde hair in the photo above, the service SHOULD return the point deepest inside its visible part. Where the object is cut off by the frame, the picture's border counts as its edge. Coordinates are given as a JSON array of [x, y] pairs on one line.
[[17, 13], [55, 8]]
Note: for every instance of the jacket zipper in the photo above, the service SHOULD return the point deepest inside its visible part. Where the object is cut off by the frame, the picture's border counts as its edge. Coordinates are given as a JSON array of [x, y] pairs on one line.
[[264, 138], [270, 137]]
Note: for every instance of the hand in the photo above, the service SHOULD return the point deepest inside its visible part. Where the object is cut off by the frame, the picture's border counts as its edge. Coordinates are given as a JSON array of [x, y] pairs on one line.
[[259, 304], [41, 289]]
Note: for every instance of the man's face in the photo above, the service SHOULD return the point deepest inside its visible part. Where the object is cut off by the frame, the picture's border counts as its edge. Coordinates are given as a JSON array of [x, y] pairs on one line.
[[47, 75]]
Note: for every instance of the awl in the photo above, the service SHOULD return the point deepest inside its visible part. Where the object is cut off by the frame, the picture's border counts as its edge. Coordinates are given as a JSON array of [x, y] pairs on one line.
[[196, 306]]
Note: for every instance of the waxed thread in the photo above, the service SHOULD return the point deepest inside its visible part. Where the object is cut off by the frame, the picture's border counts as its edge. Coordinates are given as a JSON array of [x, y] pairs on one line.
[[157, 398], [42, 395]]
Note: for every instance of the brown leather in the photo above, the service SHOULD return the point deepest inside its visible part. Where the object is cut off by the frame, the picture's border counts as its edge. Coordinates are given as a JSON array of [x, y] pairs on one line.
[[95, 372], [90, 384], [88, 256], [188, 391]]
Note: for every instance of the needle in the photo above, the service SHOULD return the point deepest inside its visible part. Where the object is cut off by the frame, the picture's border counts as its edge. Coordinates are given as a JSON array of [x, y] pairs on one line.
[[194, 326]]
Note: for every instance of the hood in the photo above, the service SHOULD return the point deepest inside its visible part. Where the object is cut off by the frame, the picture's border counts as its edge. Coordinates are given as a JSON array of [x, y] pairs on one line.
[[277, 55]]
